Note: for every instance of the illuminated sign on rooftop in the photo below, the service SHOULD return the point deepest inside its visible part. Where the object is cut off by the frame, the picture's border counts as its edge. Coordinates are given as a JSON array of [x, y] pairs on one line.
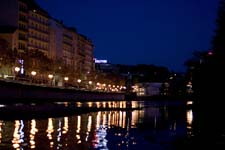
[[101, 61]]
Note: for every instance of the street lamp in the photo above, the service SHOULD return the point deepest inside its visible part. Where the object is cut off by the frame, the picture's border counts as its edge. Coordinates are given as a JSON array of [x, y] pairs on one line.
[[33, 73], [97, 86], [90, 84], [50, 76], [79, 81], [17, 69], [66, 79]]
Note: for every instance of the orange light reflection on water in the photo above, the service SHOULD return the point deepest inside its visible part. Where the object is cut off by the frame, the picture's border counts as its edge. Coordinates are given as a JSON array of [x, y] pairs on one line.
[[80, 128], [33, 131]]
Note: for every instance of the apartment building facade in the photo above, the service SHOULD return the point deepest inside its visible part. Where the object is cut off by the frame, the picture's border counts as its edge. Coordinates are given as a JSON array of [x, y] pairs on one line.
[[31, 22], [37, 30], [85, 53]]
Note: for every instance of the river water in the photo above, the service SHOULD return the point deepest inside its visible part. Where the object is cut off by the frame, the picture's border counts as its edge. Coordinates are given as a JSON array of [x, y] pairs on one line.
[[111, 125]]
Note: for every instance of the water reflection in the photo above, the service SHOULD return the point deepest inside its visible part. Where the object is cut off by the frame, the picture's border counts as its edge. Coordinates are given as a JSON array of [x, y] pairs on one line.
[[154, 126], [1, 131], [189, 116], [33, 131], [18, 134], [50, 129]]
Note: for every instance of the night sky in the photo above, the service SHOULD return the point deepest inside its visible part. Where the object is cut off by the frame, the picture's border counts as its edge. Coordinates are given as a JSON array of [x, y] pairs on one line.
[[157, 32]]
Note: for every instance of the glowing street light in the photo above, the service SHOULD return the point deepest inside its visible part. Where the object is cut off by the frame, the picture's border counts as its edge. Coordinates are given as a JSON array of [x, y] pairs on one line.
[[33, 73], [79, 81], [90, 84], [50, 76], [17, 69], [66, 78]]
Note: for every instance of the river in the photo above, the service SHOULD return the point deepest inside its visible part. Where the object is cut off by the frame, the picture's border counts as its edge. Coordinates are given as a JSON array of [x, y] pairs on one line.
[[111, 125]]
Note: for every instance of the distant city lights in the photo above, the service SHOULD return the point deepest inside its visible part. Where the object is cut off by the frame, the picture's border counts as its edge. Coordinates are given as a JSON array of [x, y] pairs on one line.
[[210, 53]]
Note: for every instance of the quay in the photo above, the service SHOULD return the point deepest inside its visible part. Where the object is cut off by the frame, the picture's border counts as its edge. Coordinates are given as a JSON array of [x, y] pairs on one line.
[[11, 92]]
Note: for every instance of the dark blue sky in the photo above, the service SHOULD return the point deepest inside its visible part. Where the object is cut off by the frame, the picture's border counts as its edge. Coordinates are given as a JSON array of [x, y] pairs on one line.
[[158, 32]]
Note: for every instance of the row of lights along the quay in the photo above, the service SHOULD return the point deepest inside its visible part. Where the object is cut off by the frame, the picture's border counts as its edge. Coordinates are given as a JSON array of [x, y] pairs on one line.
[[98, 86]]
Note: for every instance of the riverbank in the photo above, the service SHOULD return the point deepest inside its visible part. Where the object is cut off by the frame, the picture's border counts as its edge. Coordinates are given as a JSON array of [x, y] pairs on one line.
[[12, 91], [164, 97]]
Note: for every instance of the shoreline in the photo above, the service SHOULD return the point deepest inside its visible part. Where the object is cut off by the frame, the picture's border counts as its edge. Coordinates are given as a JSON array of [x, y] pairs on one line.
[[23, 92]]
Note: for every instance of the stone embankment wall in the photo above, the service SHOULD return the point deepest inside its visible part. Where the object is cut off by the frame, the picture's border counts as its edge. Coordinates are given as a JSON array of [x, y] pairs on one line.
[[12, 91]]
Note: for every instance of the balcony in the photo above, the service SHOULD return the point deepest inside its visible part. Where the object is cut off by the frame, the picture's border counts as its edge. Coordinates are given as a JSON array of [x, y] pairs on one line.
[[25, 20], [23, 38]]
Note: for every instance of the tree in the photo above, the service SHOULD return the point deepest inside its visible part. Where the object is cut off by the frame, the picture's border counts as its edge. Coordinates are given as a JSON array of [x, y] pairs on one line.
[[7, 57], [216, 61], [37, 60], [209, 81], [218, 44], [209, 70]]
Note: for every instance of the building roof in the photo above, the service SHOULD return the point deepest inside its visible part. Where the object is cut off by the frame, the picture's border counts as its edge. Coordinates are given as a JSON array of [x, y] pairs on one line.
[[32, 5], [7, 29]]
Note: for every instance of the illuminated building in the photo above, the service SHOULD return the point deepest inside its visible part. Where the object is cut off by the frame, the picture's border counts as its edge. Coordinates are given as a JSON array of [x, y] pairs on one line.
[[37, 30], [31, 21], [63, 43], [72, 48], [102, 65], [147, 88], [85, 53]]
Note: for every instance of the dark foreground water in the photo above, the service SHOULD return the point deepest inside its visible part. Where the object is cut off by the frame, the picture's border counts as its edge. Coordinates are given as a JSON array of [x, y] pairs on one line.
[[95, 125]]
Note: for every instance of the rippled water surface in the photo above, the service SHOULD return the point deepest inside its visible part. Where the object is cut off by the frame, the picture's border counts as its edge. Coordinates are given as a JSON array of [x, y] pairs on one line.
[[95, 125]]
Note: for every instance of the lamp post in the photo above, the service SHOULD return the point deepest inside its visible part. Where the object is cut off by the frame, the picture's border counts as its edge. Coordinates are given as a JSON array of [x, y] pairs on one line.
[[17, 69], [90, 84], [66, 80], [79, 81], [33, 73], [50, 76], [97, 86]]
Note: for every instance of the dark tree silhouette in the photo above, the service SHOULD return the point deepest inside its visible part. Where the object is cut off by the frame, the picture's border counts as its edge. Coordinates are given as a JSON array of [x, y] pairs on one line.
[[7, 55], [218, 43], [208, 77], [208, 81]]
